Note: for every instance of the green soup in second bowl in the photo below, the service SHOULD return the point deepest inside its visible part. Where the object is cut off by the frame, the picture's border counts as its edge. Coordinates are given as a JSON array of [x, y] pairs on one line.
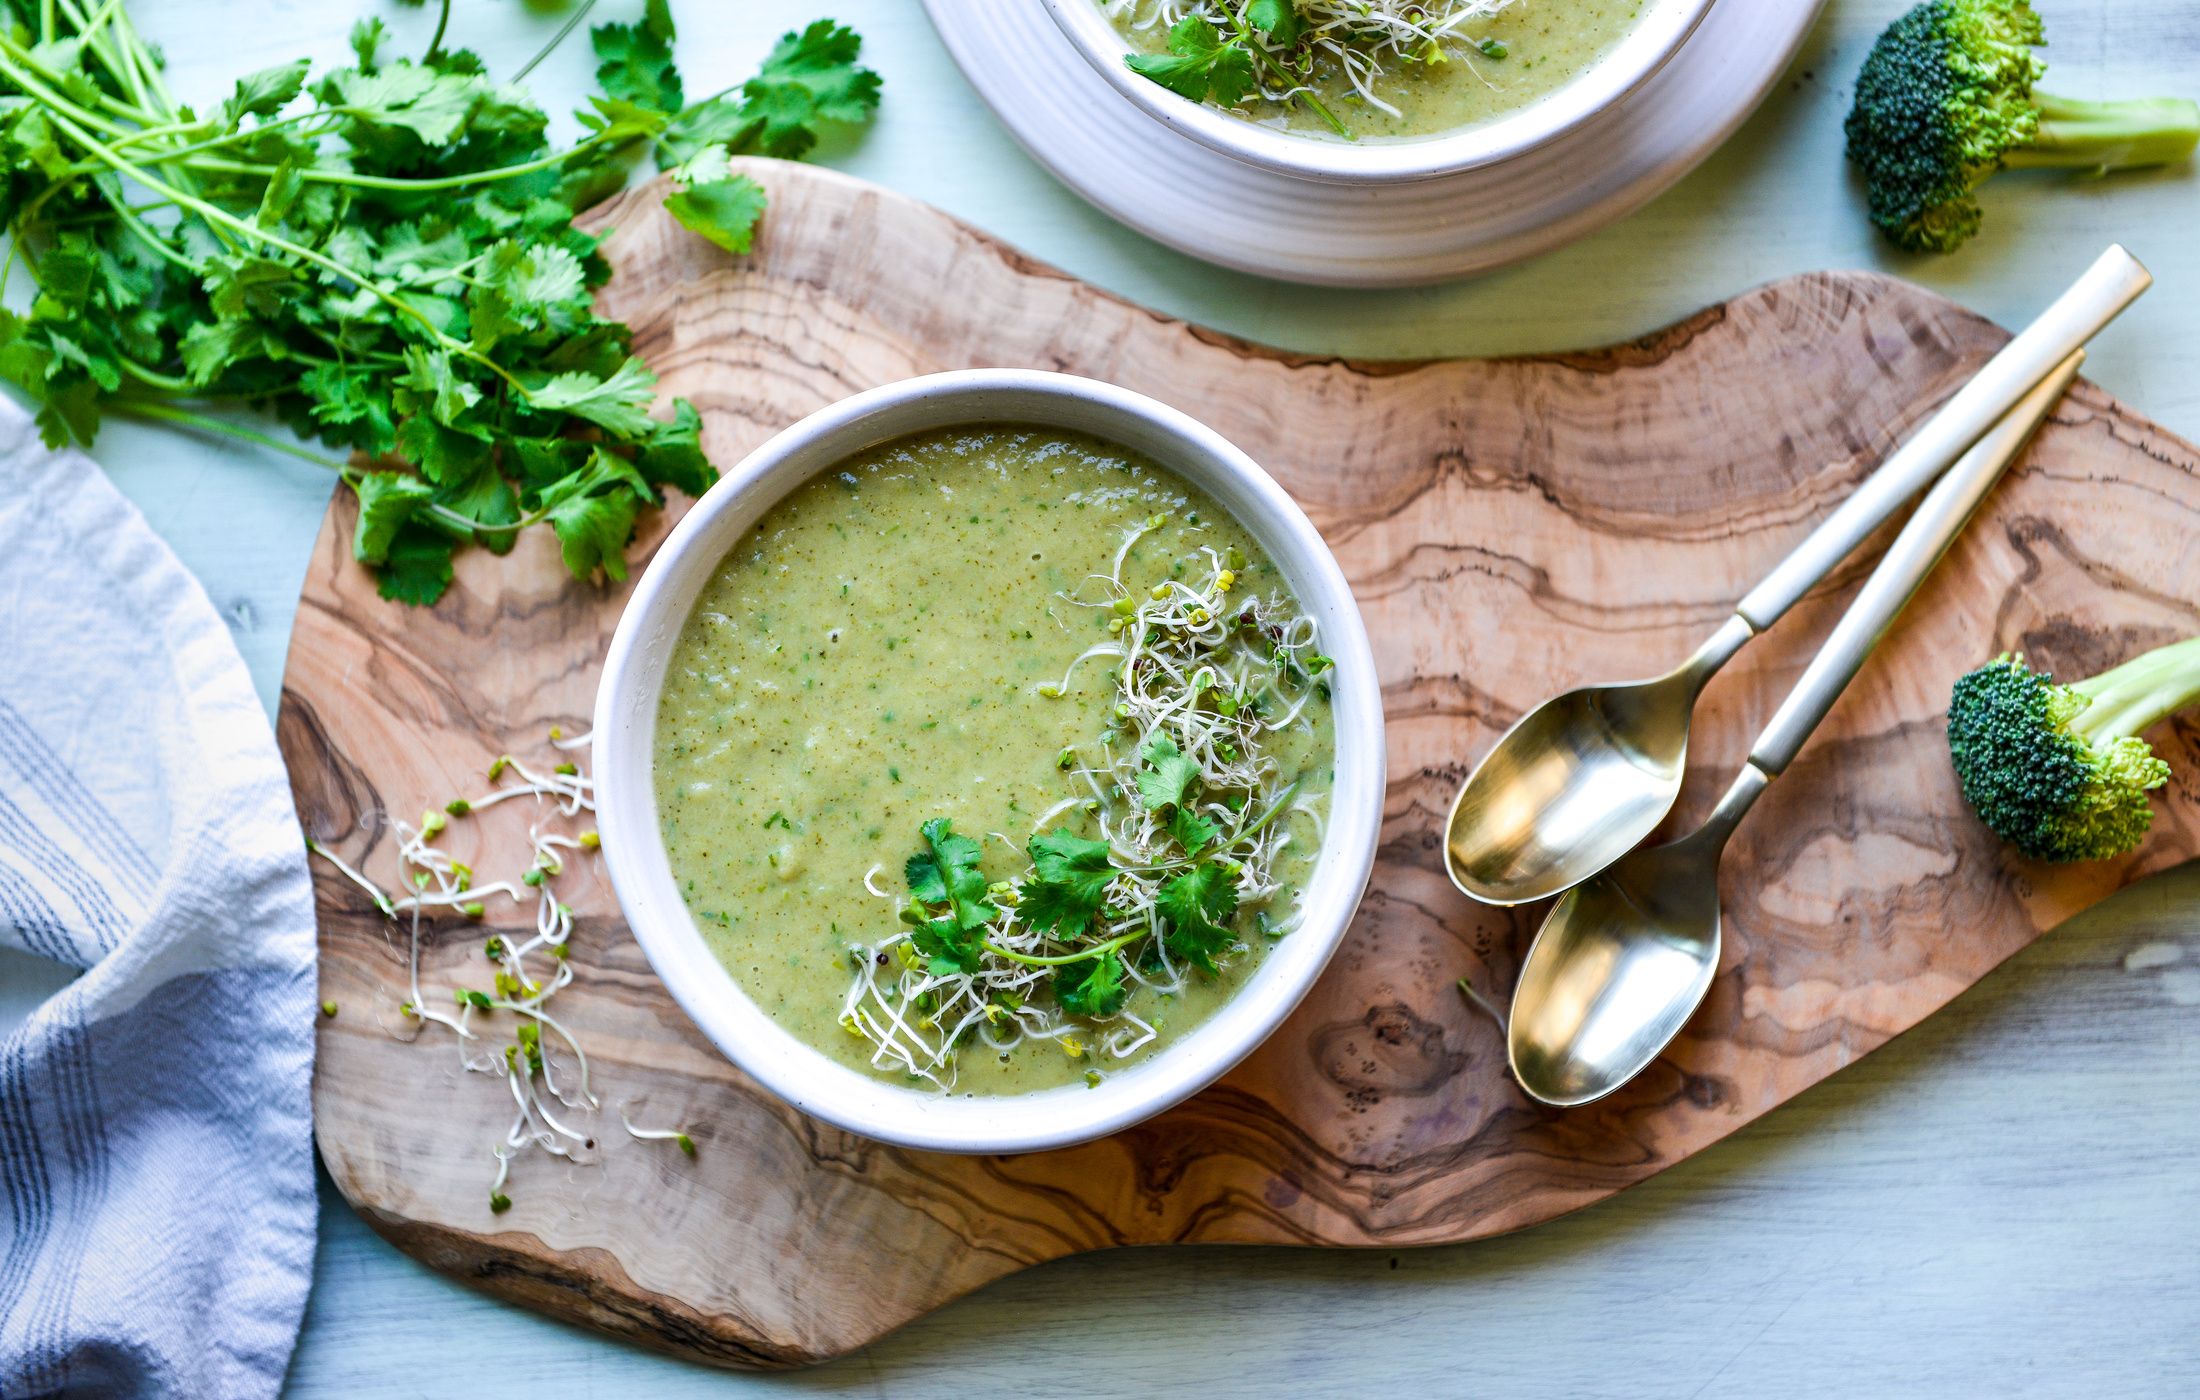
[[1489, 59]]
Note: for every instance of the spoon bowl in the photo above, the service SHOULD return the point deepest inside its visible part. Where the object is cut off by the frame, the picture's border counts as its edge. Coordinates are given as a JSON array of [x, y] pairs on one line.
[[1579, 781], [1620, 964]]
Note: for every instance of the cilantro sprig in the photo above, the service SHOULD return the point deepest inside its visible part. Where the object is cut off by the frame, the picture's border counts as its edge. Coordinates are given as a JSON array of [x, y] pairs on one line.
[[1092, 987], [1199, 905], [1224, 64], [948, 905], [384, 258], [1069, 883], [1168, 775]]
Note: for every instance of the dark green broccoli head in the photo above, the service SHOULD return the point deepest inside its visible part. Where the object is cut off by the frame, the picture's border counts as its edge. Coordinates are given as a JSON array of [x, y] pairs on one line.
[[2051, 789], [1944, 95], [1945, 99]]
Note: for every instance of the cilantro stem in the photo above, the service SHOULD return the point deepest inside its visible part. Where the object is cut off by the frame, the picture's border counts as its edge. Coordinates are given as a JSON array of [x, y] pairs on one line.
[[44, 92], [169, 153], [442, 22], [1083, 955], [62, 109], [130, 64], [484, 528], [1299, 94], [167, 129], [131, 221], [1275, 808], [149, 375], [169, 413], [148, 75], [398, 182], [572, 22]]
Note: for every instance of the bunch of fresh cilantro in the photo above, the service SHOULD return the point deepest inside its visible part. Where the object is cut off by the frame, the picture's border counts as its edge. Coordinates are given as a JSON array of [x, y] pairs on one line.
[[384, 257]]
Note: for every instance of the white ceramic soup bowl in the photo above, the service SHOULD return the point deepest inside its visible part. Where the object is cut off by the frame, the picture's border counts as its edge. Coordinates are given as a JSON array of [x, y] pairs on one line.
[[633, 845], [1664, 26]]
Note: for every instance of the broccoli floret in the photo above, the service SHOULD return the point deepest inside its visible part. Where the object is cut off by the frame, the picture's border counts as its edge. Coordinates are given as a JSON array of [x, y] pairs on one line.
[[1945, 99], [2059, 771]]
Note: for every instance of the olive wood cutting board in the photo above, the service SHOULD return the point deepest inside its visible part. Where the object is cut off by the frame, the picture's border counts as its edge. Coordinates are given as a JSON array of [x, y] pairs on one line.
[[1511, 527]]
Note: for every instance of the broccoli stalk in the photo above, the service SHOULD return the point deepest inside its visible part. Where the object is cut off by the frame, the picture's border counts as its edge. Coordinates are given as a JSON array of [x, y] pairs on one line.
[[1945, 100], [2105, 136], [2060, 771]]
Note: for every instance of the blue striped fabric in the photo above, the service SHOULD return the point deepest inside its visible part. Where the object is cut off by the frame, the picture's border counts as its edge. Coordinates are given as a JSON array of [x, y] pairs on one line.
[[147, 838]]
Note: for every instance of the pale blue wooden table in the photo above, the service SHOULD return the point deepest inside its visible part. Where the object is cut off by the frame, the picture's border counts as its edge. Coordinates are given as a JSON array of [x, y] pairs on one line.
[[2005, 1201]]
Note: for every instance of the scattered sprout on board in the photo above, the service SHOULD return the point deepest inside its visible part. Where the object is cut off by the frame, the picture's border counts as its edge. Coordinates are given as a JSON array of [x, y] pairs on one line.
[[1192, 816], [1228, 52], [526, 971], [1481, 1003]]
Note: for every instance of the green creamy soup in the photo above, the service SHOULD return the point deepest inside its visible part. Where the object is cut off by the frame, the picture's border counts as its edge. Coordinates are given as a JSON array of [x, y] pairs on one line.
[[1500, 59], [888, 646]]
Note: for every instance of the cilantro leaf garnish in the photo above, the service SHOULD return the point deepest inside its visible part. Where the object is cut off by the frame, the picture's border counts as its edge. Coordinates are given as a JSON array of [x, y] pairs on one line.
[[1168, 773], [1276, 20], [1069, 859], [947, 945], [1200, 64], [946, 872], [1072, 877], [950, 898], [382, 254], [1224, 65], [1091, 987], [1199, 905], [1192, 831]]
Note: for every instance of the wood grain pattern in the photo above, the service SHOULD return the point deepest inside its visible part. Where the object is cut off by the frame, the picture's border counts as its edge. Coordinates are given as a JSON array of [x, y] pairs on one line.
[[1510, 527]]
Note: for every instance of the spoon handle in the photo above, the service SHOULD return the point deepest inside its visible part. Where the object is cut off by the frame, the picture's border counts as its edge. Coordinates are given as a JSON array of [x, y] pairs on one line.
[[2111, 284], [1946, 509]]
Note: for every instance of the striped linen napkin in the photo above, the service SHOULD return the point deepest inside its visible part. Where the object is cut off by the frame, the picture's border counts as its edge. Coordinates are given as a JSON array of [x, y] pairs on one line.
[[156, 1176]]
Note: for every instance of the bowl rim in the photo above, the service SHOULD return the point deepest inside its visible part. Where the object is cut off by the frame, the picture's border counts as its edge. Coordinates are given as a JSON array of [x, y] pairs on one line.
[[640, 871], [1632, 62]]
